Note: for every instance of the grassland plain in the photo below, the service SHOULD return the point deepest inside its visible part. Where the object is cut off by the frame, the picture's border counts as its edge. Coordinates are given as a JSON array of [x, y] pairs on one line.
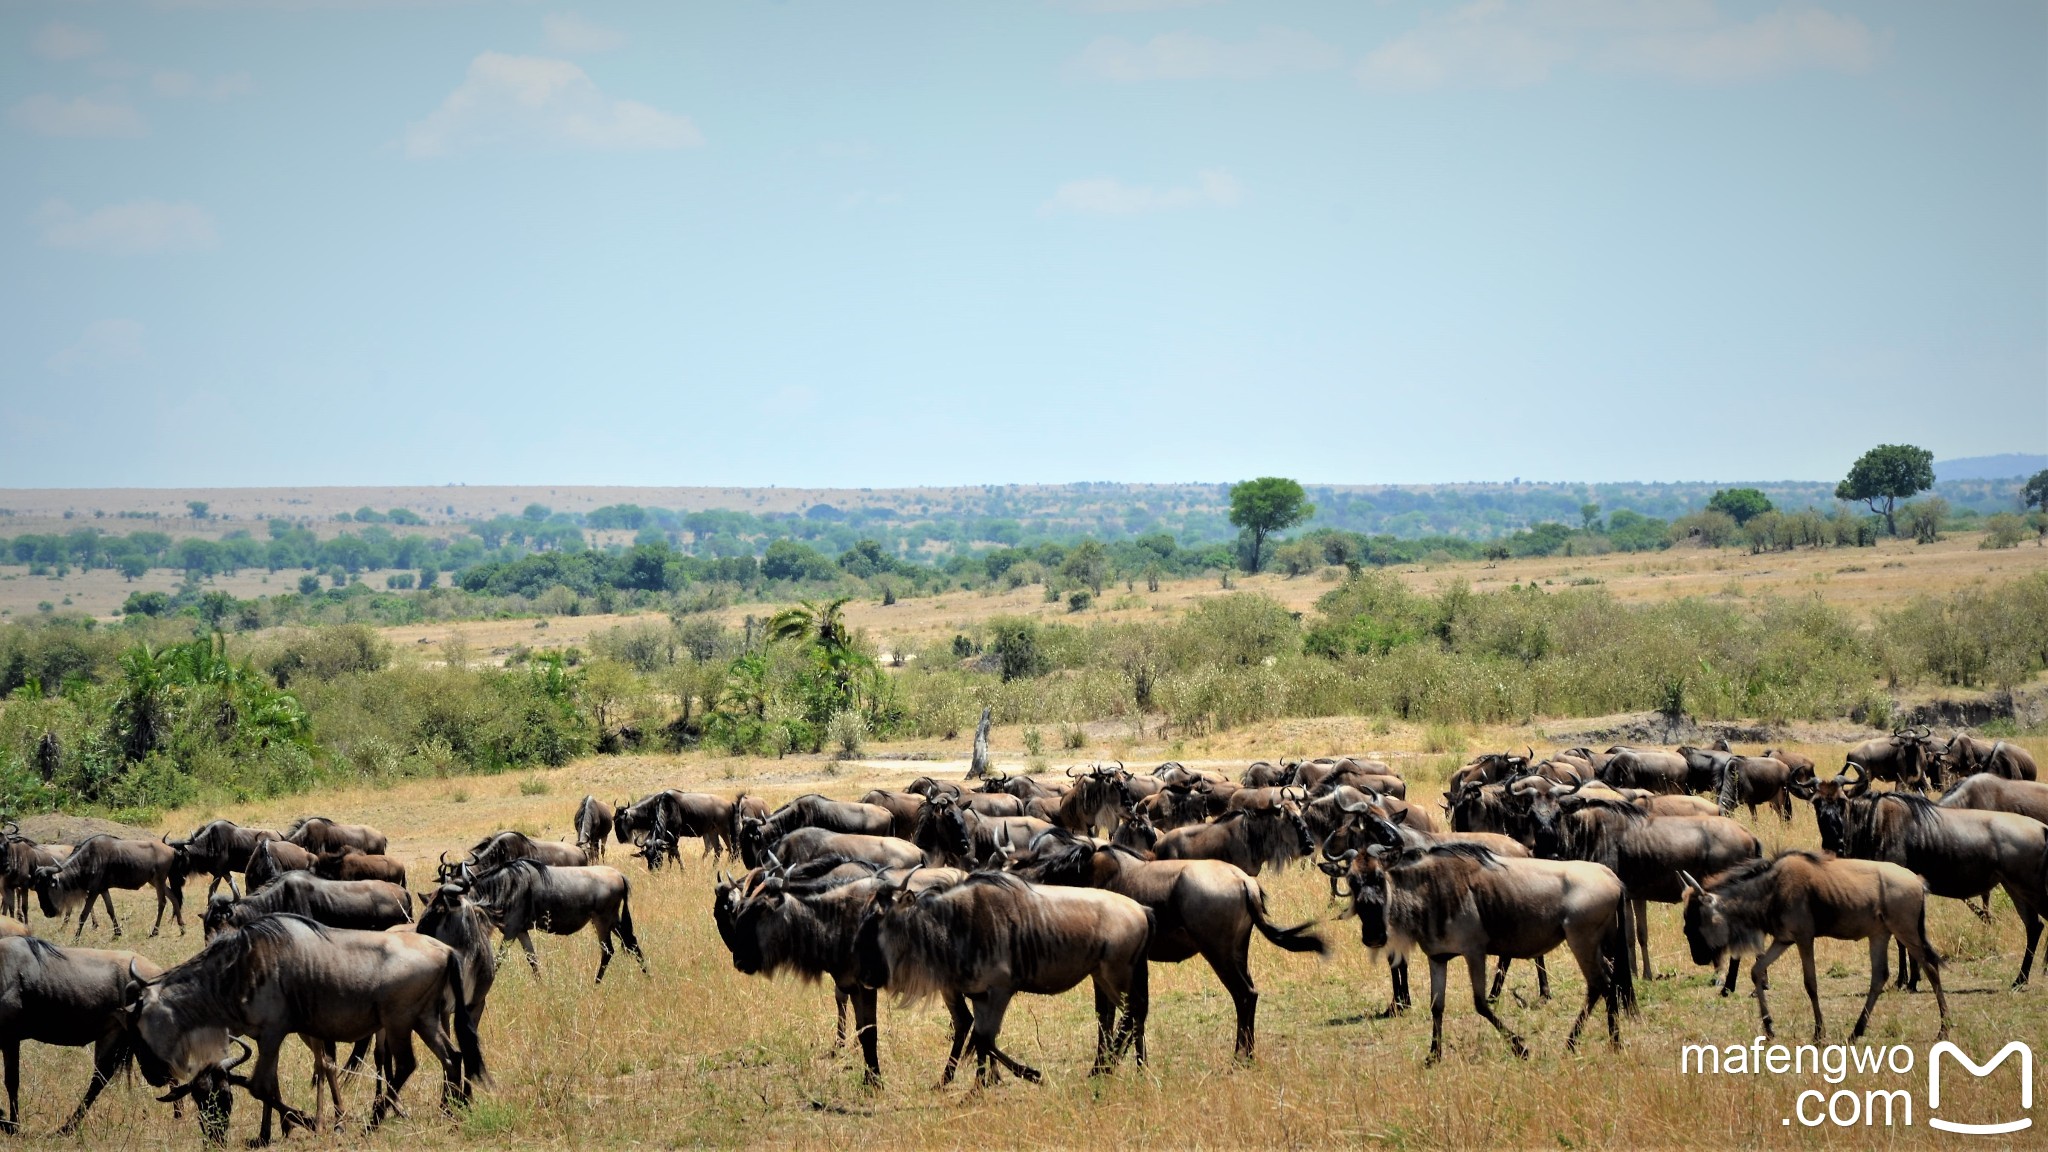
[[696, 1054]]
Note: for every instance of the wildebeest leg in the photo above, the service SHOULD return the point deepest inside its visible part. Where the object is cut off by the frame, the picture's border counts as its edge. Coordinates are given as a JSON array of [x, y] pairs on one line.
[[1933, 965], [1880, 950], [108, 1054], [1138, 1008], [532, 958], [107, 898], [1438, 977], [839, 997], [604, 951], [1235, 972], [988, 1023], [1105, 1025], [1586, 950], [1728, 982], [11, 1052], [1542, 979], [263, 1086], [2031, 917], [1640, 910], [1475, 966], [963, 1022], [1500, 979], [1812, 981], [162, 895], [864, 1025], [1760, 980], [1397, 978], [402, 1063]]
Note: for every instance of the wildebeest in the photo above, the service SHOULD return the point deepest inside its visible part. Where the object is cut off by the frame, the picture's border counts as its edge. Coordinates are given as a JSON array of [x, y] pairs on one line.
[[700, 814], [1485, 768], [522, 895], [773, 923], [902, 807], [24, 857], [1967, 755], [1649, 769], [219, 849], [370, 905], [744, 808], [1462, 900], [499, 847], [1754, 780], [807, 844], [956, 836], [68, 997], [353, 863], [978, 943], [282, 976], [1094, 803], [927, 787], [102, 863], [274, 858], [1960, 852], [1199, 907], [815, 811], [1252, 840], [1171, 808], [450, 916], [1988, 793], [1266, 774], [1902, 758], [1762, 907], [318, 834], [593, 826]]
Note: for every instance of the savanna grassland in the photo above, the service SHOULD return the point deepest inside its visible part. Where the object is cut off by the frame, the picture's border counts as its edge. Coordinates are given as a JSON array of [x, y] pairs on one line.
[[695, 1053]]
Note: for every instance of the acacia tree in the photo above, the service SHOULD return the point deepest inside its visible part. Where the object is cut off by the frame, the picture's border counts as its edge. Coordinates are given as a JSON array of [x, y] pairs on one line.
[[1741, 503], [1264, 506], [1886, 475]]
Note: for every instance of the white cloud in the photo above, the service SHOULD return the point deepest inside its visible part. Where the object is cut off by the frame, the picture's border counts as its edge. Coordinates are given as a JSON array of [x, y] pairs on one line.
[[1109, 196], [1188, 56], [535, 101], [570, 32], [180, 85], [67, 42], [47, 115], [136, 228], [104, 344], [1514, 43]]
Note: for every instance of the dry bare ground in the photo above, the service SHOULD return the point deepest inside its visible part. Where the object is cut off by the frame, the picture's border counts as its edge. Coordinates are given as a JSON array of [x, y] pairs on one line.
[[697, 1054]]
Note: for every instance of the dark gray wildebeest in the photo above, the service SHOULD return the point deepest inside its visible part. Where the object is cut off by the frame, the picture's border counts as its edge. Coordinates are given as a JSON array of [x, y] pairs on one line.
[[317, 834], [102, 863], [1485, 768], [1907, 758], [1203, 908], [24, 856], [978, 943], [450, 916], [1024, 788], [1333, 809], [1968, 755], [1756, 780], [593, 826], [813, 811], [68, 997], [274, 858], [1705, 768], [1987, 793], [958, 837], [903, 808], [1094, 803], [524, 895], [1960, 852], [1251, 840], [1461, 900], [354, 864], [927, 787], [283, 976], [370, 905], [1650, 769], [744, 808], [697, 814], [1761, 908], [220, 849], [807, 844], [774, 921], [1266, 774], [1178, 807], [1647, 852], [503, 847]]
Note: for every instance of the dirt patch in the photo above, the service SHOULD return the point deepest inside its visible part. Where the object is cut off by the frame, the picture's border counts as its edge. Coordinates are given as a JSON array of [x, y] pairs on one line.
[[57, 828]]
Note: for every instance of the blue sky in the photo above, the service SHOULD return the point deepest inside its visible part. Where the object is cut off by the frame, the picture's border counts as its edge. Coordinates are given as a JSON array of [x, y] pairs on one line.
[[830, 243]]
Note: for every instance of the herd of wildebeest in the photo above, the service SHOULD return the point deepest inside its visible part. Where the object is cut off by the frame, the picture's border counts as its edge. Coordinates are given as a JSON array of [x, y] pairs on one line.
[[976, 890]]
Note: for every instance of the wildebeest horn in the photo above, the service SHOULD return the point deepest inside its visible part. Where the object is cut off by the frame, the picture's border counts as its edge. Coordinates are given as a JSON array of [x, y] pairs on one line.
[[1862, 782], [237, 1062], [444, 857], [774, 865], [1689, 881], [1071, 771]]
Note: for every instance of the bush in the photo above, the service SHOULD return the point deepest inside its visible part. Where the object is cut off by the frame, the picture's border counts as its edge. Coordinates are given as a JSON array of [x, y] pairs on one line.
[[848, 734], [1015, 643], [2004, 530]]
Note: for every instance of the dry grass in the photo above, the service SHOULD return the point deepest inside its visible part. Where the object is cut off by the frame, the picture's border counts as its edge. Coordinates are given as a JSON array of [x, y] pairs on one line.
[[697, 1054]]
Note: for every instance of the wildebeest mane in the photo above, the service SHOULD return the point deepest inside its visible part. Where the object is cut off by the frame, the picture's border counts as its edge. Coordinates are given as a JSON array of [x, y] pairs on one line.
[[949, 937]]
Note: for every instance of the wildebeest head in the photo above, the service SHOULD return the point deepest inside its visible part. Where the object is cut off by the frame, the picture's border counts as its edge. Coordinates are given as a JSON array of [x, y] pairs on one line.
[[219, 915], [211, 1090], [1830, 799], [659, 847], [48, 885], [942, 826], [170, 1049], [870, 959], [1135, 833], [1369, 894]]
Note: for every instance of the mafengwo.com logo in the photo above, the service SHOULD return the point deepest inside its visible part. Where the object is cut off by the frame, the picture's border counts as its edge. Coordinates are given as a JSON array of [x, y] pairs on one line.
[[1845, 1105]]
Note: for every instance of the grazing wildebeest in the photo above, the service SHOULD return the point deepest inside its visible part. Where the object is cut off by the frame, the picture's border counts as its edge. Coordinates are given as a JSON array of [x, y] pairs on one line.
[[815, 811], [593, 826], [318, 834], [1171, 808], [774, 923], [958, 837], [1968, 755], [1960, 852], [927, 787], [1203, 908], [68, 997], [1367, 775], [1753, 780], [1485, 768], [220, 849], [285, 975], [499, 847], [1266, 774], [274, 858], [1988, 793], [1649, 769], [24, 857], [522, 895], [1800, 766], [371, 905], [807, 844], [1762, 907], [102, 863], [700, 814], [902, 806], [1252, 840], [1462, 900], [1646, 852], [980, 942], [1901, 758], [450, 916], [744, 808], [354, 864], [1705, 768]]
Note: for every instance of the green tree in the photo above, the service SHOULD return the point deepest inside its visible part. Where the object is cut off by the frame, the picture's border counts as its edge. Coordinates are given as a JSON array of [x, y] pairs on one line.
[[1087, 564], [823, 628], [1589, 517], [2034, 494], [1886, 475], [198, 508], [1264, 506], [133, 565], [537, 512], [1741, 503]]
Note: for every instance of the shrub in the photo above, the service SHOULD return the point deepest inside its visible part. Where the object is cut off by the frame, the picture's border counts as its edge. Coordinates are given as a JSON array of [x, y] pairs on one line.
[[2004, 530], [848, 734]]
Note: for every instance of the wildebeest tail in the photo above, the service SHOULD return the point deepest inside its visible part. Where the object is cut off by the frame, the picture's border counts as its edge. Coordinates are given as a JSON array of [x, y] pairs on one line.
[[465, 1025], [1617, 953], [625, 925], [1295, 939]]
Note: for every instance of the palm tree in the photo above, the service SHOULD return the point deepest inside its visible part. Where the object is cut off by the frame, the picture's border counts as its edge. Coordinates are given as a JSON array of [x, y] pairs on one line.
[[823, 628]]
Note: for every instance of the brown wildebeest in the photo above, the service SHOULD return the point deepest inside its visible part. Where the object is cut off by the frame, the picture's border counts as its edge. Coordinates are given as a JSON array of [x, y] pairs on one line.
[[958, 837], [1171, 808], [1968, 755], [285, 975], [1753, 780], [991, 936], [450, 916], [1901, 758], [1762, 907], [1266, 774], [274, 858], [102, 863], [700, 814], [1094, 802], [500, 847], [1802, 766], [927, 787], [807, 844], [815, 811], [24, 856], [1485, 768], [903, 808], [319, 834], [745, 807], [1647, 768], [354, 864], [593, 826], [1203, 908], [1462, 900], [370, 905], [1987, 793], [220, 849], [1252, 840], [522, 895], [67, 997]]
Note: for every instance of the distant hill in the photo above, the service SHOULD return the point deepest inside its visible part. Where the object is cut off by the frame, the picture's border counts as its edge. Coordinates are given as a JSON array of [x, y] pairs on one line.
[[2000, 467]]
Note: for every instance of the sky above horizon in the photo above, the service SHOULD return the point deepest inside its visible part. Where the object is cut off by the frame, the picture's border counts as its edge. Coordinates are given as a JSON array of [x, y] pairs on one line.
[[285, 242]]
